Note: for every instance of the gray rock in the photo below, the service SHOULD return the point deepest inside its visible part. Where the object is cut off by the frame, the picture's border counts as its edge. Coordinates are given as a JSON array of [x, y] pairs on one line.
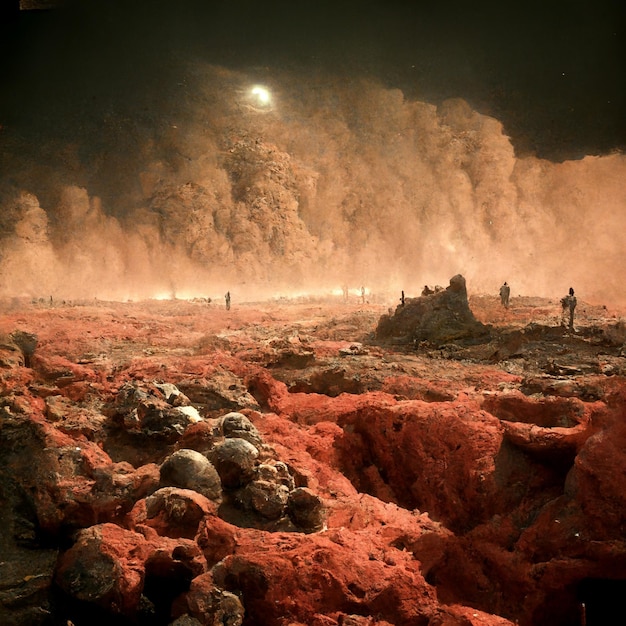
[[27, 342], [189, 469], [223, 391], [155, 420], [284, 476], [215, 607], [10, 353], [305, 509], [268, 499], [172, 394], [235, 461], [237, 425]]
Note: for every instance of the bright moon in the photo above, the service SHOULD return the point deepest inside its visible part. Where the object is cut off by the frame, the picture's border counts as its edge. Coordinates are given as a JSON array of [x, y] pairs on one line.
[[261, 94]]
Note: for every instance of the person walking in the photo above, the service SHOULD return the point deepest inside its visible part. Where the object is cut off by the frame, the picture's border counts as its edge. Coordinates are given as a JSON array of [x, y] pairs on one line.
[[505, 292]]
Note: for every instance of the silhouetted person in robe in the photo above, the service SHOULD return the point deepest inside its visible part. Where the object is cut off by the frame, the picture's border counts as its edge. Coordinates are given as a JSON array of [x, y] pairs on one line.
[[505, 292], [402, 298], [568, 303], [227, 298]]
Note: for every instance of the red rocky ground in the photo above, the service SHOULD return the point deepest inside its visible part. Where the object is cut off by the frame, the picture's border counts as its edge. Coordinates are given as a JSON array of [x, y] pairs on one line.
[[276, 464]]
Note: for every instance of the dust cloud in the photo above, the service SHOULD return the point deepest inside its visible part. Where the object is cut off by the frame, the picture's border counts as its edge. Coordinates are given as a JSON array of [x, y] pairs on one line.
[[317, 184]]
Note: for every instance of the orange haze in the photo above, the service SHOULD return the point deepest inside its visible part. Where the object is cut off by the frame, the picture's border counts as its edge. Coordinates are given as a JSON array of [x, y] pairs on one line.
[[327, 183]]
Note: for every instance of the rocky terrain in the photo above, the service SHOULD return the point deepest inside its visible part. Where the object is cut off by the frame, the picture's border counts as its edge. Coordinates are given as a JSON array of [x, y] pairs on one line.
[[314, 461]]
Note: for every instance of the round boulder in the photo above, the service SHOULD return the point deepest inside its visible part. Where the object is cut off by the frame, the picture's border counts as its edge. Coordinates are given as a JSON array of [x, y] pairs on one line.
[[176, 512], [189, 469], [237, 425], [235, 461], [105, 568]]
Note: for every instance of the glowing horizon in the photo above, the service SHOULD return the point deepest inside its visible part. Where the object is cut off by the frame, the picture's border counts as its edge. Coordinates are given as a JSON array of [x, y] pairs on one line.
[[351, 184]]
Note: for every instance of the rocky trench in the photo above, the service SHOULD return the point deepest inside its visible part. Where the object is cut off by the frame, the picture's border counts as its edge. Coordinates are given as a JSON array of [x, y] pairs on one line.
[[149, 495]]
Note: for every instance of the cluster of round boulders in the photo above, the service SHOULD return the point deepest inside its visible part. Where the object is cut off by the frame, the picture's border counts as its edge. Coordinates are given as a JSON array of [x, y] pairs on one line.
[[223, 459], [234, 465], [170, 522]]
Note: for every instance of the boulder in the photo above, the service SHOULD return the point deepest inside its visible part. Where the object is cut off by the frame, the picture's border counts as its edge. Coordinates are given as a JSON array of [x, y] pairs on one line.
[[189, 469], [105, 567], [306, 509], [200, 436], [175, 512], [222, 391], [156, 411], [210, 605], [264, 497], [236, 424], [235, 461], [115, 572], [10, 354]]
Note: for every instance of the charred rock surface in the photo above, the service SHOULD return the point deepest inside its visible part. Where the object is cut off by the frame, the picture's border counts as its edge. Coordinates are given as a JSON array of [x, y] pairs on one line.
[[442, 489]]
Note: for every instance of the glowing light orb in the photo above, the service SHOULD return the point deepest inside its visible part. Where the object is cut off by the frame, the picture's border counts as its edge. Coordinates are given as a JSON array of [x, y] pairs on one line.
[[261, 95]]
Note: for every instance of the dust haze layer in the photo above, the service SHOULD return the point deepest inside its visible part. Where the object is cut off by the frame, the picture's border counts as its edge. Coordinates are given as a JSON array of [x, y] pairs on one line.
[[182, 181]]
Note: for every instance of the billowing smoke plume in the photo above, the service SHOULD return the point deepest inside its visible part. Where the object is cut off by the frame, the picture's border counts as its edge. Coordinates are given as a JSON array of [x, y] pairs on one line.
[[315, 185]]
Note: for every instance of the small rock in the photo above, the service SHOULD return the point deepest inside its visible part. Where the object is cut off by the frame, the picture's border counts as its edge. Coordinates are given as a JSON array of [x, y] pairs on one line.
[[266, 498], [305, 509], [212, 605]]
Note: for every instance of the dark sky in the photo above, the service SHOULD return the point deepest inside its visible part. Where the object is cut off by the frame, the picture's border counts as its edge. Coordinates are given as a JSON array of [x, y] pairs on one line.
[[553, 71]]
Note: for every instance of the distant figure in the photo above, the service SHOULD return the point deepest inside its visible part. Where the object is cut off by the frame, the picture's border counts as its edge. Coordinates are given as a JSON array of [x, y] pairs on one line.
[[345, 293], [568, 303], [427, 291], [363, 295], [227, 298], [505, 292], [402, 298]]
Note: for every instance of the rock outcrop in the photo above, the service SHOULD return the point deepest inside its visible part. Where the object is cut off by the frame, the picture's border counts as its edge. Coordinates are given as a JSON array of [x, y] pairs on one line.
[[442, 317]]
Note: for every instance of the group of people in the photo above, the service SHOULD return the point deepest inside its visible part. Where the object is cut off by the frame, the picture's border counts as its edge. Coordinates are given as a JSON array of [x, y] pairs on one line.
[[427, 291], [568, 303]]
